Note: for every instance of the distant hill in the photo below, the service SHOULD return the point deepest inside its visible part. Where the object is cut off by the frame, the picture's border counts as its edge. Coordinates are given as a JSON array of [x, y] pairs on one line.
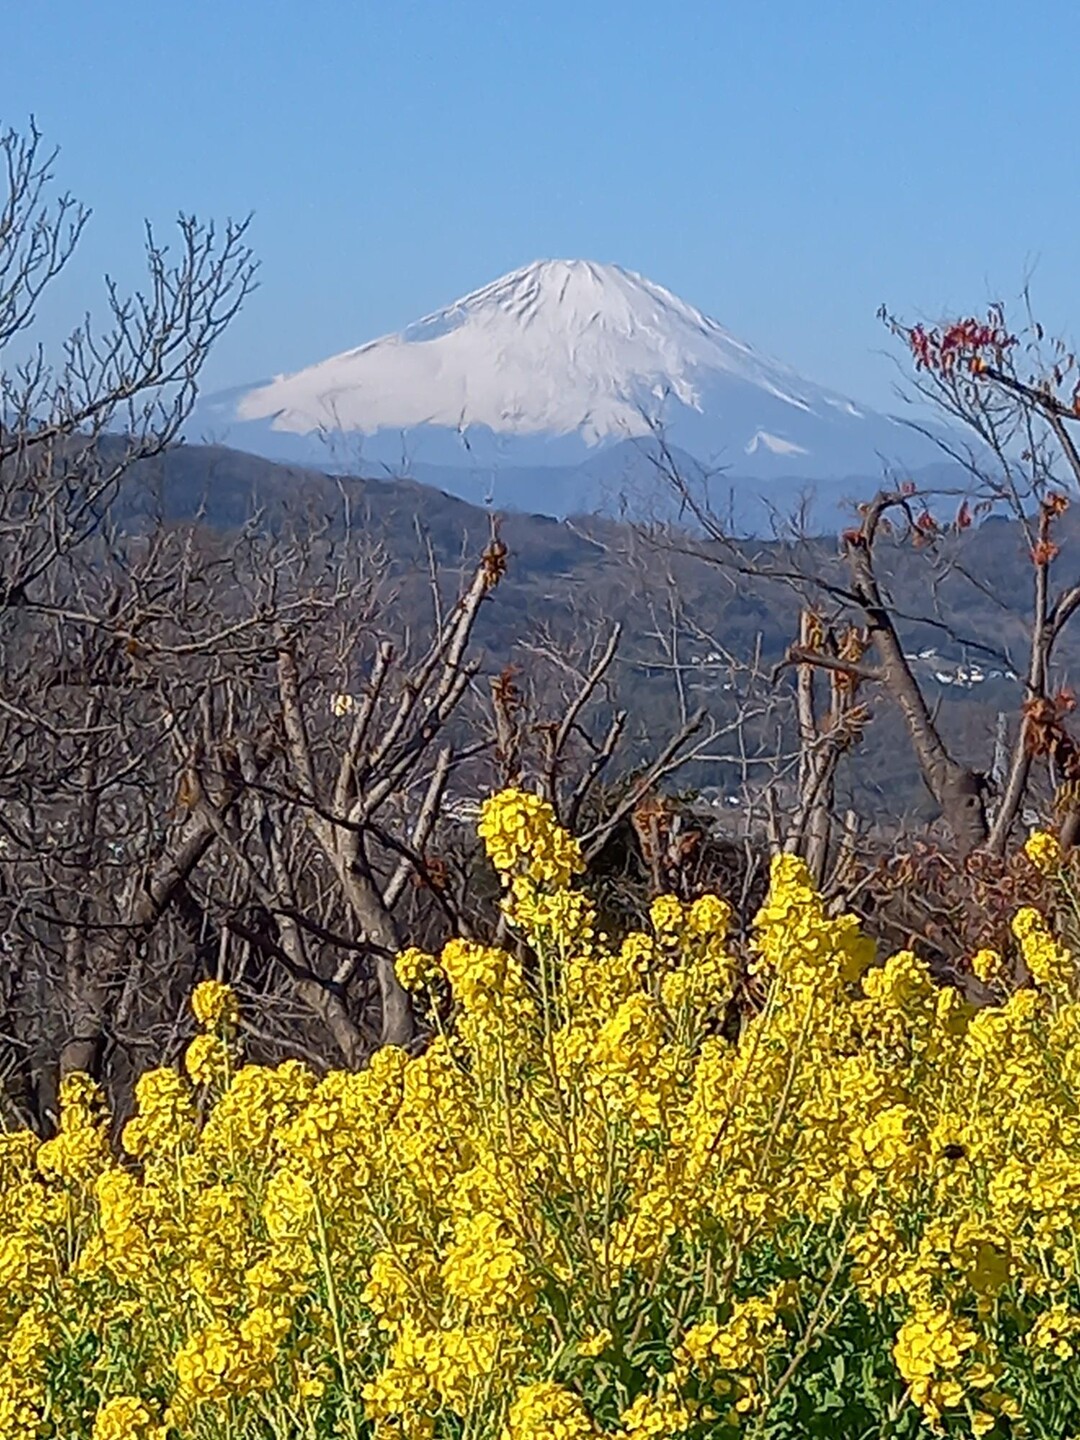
[[966, 630]]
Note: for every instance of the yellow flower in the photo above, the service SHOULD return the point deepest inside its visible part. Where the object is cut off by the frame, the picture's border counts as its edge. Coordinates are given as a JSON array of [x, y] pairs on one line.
[[930, 1352], [215, 1006], [208, 1364], [1044, 851], [664, 1416], [165, 1121], [730, 1356], [592, 1345], [416, 968], [545, 1411], [1057, 1331], [986, 966], [666, 914], [589, 1135], [123, 1418], [519, 830], [1051, 965], [485, 1266], [206, 1059]]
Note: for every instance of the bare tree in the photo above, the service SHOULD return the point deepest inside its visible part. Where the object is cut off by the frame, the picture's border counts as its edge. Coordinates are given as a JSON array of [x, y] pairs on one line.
[[368, 796], [72, 427], [1019, 460], [1018, 397]]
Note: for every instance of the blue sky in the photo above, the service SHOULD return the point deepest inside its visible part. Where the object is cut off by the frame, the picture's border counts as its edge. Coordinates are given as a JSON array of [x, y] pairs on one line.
[[784, 165]]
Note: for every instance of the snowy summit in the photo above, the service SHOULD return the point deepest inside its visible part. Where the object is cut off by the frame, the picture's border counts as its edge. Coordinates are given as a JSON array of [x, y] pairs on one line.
[[561, 346], [551, 364]]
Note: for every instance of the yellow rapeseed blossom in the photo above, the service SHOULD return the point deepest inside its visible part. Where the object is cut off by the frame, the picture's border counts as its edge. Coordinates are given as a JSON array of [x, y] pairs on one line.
[[592, 1345], [545, 1411], [207, 1364], [729, 1358], [931, 1353], [1055, 1335], [664, 1416], [1044, 851], [79, 1152], [214, 1005], [986, 966], [1051, 965], [207, 1058], [416, 968], [165, 1119], [125, 1417], [520, 833], [663, 1184]]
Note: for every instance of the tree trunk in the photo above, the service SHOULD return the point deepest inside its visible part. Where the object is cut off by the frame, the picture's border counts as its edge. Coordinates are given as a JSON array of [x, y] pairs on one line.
[[817, 768], [958, 790], [962, 801], [91, 983]]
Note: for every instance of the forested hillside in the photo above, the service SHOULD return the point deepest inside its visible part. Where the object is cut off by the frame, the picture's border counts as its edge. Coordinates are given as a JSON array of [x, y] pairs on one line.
[[693, 633]]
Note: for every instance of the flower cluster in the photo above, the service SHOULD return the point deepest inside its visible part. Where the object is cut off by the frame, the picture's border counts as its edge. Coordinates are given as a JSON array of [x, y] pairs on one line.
[[521, 837], [1044, 851], [612, 1199]]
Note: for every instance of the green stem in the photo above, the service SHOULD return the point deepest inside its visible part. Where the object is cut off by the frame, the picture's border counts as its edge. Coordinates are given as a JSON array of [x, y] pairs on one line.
[[335, 1316]]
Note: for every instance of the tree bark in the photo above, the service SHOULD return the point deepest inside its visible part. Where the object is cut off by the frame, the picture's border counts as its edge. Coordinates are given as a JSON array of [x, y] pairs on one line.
[[342, 847], [958, 790], [91, 985]]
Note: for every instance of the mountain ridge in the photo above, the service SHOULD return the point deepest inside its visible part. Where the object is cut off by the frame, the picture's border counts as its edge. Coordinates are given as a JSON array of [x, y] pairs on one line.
[[554, 364], [599, 571]]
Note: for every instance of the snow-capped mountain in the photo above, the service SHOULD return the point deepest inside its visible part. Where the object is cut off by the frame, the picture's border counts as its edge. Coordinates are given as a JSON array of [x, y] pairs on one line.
[[551, 365]]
